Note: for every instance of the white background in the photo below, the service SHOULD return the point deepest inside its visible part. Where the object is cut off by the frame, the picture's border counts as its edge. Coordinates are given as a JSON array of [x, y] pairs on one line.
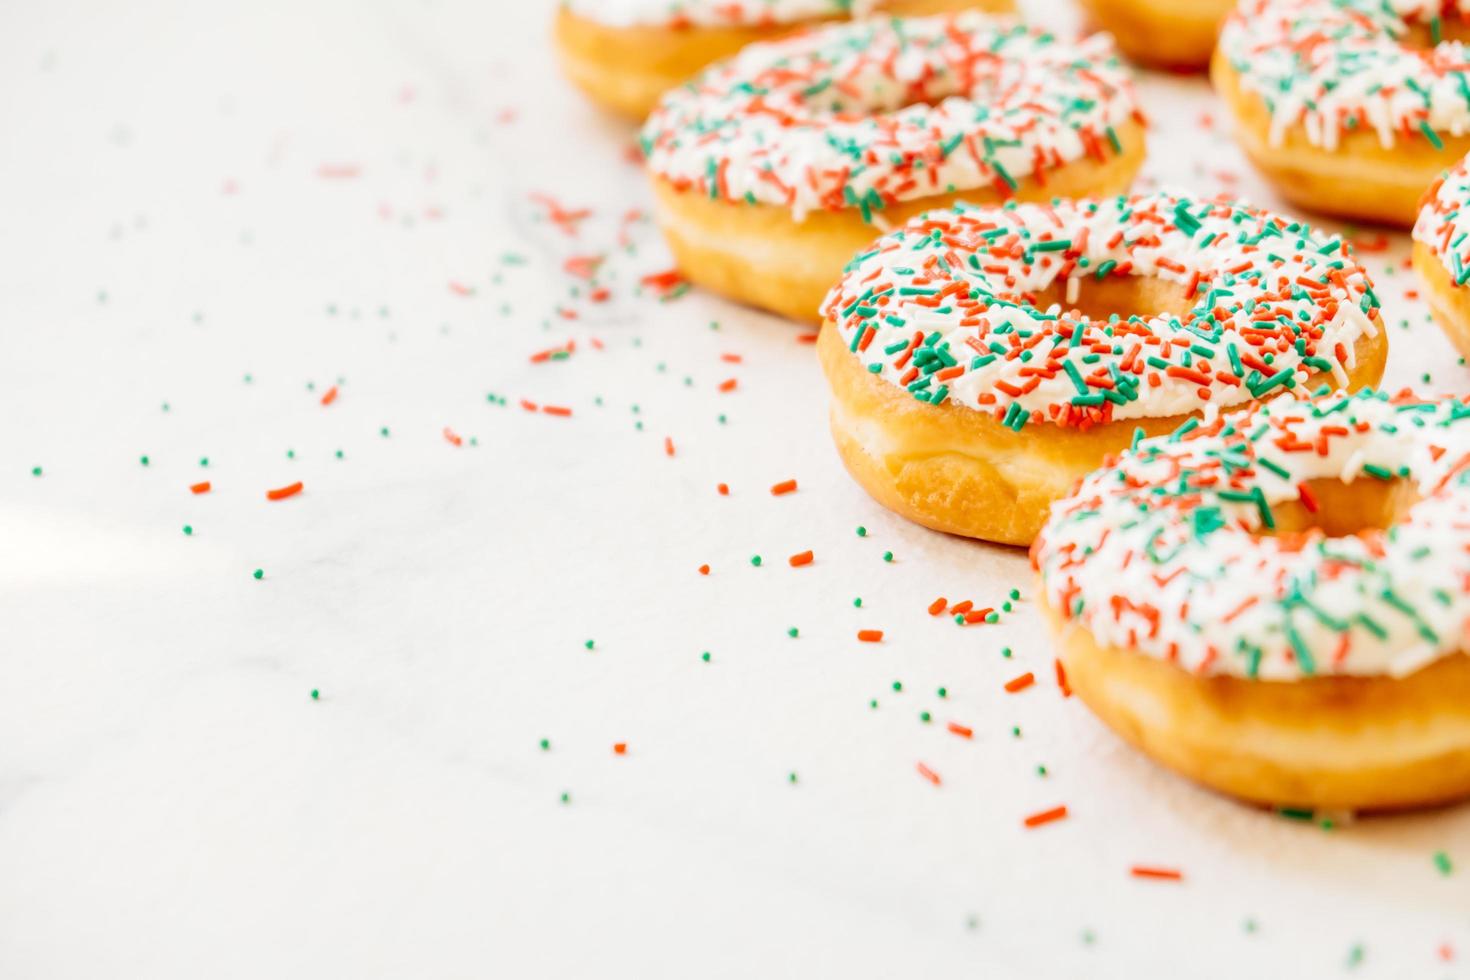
[[173, 803]]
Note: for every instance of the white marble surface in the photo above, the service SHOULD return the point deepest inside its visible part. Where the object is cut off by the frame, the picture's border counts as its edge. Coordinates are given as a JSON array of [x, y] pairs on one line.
[[173, 803]]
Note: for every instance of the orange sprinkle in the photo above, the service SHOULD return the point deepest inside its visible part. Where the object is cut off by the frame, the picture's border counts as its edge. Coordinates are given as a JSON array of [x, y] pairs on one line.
[[728, 384], [330, 396], [732, 358], [1045, 817], [200, 487], [962, 731], [1062, 679], [724, 489], [621, 748], [937, 606], [1020, 683], [1158, 874], [561, 410], [281, 493], [870, 636], [806, 338], [528, 405], [704, 569], [928, 773], [668, 446], [460, 289], [785, 486], [454, 440], [804, 558]]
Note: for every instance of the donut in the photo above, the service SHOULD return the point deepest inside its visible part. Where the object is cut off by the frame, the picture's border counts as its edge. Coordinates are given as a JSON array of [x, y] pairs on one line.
[[1442, 255], [772, 169], [624, 54], [1275, 603], [1177, 34], [982, 360], [1350, 107]]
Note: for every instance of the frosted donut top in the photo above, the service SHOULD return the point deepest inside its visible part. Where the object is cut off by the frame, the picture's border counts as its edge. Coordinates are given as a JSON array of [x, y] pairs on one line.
[[867, 113], [1169, 552], [947, 307], [1334, 66], [1444, 223], [714, 13]]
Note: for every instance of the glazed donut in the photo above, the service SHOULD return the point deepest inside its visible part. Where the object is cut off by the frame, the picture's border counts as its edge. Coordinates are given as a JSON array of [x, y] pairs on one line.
[[1351, 107], [1176, 34], [772, 169], [1275, 603], [982, 360], [1442, 257], [624, 54]]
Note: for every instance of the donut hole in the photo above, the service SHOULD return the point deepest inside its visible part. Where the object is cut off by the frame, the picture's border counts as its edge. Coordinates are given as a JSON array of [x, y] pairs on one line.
[[1124, 296], [1421, 36], [1363, 508]]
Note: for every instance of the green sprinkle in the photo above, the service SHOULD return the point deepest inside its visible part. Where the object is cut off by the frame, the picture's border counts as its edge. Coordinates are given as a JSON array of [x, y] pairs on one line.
[[862, 532], [188, 529], [259, 574], [1442, 862], [316, 695], [793, 632], [888, 556], [590, 644], [755, 560], [545, 745]]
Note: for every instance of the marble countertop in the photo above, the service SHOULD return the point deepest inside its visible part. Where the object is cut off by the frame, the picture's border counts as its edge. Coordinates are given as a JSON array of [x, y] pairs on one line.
[[275, 242]]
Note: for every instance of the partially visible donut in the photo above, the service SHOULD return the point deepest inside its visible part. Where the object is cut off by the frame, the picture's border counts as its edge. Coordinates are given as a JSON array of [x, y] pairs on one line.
[[982, 360], [1275, 602], [1177, 34], [1442, 253], [1351, 107], [773, 168], [624, 54]]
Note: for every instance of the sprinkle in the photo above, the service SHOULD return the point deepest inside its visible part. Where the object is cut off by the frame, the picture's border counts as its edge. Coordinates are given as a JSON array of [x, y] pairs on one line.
[[962, 731], [1045, 817], [870, 636], [784, 487], [201, 487], [281, 493], [1020, 683], [259, 574], [330, 396], [801, 558], [928, 773], [1158, 874], [620, 748]]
